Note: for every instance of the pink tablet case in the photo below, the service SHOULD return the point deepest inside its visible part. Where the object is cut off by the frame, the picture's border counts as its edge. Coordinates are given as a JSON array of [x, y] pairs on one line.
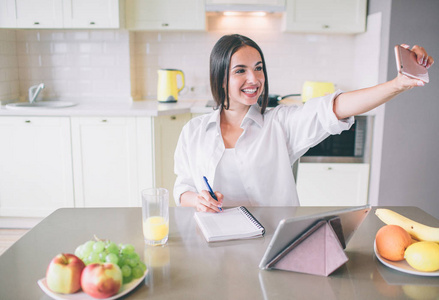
[[317, 252]]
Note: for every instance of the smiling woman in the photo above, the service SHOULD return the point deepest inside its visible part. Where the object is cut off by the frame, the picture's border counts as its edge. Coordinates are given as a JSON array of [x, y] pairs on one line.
[[223, 61], [247, 151]]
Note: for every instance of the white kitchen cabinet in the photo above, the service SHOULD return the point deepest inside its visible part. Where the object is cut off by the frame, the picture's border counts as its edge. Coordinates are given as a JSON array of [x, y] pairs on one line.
[[160, 15], [167, 130], [326, 16], [91, 14], [38, 13], [333, 184], [105, 161], [60, 13], [35, 165]]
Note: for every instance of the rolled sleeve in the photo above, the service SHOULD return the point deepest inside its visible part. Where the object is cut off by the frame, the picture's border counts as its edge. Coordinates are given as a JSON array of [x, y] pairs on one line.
[[325, 110], [310, 124]]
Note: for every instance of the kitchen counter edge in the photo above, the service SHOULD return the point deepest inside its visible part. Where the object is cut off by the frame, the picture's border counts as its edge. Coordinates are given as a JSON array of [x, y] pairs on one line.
[[140, 108]]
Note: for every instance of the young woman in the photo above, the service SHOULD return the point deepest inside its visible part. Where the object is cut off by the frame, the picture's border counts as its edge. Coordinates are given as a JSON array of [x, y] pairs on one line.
[[246, 151]]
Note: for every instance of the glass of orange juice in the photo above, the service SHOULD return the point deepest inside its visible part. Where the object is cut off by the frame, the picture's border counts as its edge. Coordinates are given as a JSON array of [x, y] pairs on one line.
[[155, 216]]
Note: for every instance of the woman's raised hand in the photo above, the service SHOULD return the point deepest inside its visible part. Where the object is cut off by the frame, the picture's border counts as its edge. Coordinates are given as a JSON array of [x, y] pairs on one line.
[[404, 82]]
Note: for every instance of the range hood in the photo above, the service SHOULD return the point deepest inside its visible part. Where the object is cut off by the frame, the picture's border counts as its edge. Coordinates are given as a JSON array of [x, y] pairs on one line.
[[222, 6]]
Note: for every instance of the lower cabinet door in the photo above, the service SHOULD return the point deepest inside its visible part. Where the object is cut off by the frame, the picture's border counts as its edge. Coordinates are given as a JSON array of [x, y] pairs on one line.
[[167, 130], [105, 161], [334, 184], [35, 166]]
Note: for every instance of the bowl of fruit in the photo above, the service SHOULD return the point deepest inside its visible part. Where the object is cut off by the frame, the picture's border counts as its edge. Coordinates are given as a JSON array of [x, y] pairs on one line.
[[98, 269], [406, 245]]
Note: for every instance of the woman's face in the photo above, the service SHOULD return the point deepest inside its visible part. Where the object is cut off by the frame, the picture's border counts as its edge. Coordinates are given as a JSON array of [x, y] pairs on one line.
[[246, 77]]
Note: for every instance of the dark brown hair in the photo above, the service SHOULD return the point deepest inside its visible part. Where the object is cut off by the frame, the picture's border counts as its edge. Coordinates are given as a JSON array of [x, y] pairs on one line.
[[220, 66]]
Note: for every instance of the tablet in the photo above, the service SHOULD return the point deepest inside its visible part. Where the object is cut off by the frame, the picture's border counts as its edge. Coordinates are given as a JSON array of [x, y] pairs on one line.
[[289, 230]]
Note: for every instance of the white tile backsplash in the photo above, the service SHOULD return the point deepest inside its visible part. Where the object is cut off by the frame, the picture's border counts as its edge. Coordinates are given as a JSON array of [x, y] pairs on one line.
[[9, 74], [118, 65], [291, 58], [79, 64]]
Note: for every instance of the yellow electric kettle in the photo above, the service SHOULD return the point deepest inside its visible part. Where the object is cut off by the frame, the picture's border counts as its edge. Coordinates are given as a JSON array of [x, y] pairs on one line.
[[313, 89], [167, 88]]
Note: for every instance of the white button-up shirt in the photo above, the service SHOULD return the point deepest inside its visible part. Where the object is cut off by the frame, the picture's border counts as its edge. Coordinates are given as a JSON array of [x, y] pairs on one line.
[[265, 151]]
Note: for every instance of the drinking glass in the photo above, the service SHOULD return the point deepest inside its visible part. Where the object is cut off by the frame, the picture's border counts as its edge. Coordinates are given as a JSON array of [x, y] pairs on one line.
[[155, 216]]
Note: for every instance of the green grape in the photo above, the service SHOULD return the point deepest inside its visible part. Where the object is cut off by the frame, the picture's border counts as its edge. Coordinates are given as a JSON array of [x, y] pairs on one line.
[[143, 266], [112, 248], [126, 271], [137, 272], [132, 262], [127, 249], [88, 248], [86, 261], [102, 256], [93, 257], [79, 251], [122, 261], [127, 279], [134, 256], [112, 258], [98, 247]]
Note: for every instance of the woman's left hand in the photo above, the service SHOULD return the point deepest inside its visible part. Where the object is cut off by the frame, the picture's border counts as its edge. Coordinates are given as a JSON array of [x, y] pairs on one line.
[[405, 82]]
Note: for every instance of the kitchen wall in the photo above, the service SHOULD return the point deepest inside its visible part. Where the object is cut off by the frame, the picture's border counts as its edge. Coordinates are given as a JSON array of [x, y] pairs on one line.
[[79, 64], [117, 65], [9, 82], [291, 58], [410, 168]]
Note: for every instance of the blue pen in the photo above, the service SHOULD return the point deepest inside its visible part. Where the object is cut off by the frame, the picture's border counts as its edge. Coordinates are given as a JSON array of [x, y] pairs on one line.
[[212, 194]]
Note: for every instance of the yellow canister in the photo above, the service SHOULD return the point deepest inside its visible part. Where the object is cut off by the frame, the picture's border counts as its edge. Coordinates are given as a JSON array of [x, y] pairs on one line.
[[313, 89]]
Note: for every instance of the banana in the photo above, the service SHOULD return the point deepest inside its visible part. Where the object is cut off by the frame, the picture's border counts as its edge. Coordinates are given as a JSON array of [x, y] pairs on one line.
[[417, 230]]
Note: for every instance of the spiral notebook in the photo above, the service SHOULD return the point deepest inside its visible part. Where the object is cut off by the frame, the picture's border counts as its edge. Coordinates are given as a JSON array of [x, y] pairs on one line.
[[230, 224]]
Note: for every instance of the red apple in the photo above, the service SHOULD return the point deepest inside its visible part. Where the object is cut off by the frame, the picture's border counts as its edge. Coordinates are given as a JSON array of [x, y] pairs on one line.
[[63, 274], [101, 280]]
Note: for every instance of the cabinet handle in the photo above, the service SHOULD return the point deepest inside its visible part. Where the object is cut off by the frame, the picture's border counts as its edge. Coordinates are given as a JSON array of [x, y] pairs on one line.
[[173, 118], [325, 26], [36, 23], [27, 121], [165, 24], [329, 168], [104, 121], [92, 23]]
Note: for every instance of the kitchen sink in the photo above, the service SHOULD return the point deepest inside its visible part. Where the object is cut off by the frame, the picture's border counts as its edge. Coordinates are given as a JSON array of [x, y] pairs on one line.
[[40, 104]]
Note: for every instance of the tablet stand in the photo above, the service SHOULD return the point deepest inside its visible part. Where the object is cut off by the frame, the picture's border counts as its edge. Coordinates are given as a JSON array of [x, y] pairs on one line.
[[318, 251]]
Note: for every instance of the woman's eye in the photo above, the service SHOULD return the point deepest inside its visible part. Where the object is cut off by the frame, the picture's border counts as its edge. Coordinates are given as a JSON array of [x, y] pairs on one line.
[[259, 68], [240, 71]]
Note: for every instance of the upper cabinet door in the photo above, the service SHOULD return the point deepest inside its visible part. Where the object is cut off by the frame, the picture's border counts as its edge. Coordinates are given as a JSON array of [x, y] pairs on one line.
[[165, 15], [7, 14], [38, 14], [91, 14], [326, 16]]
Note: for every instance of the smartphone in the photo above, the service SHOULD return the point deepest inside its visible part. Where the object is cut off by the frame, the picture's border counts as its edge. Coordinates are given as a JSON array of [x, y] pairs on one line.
[[406, 64]]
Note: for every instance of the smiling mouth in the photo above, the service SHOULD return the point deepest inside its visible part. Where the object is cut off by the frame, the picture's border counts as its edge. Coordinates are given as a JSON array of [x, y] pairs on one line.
[[250, 92]]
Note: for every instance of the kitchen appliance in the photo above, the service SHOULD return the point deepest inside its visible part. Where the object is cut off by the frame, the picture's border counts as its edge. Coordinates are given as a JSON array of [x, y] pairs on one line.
[[167, 87], [273, 99], [351, 146], [312, 89]]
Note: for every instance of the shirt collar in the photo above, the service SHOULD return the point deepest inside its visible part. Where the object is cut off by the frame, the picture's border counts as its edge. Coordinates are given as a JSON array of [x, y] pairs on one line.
[[254, 114]]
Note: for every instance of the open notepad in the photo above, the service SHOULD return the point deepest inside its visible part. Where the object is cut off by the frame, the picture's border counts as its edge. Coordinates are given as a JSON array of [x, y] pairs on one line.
[[230, 224]]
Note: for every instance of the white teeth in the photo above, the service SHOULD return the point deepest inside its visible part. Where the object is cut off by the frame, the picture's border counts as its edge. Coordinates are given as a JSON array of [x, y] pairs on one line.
[[249, 91]]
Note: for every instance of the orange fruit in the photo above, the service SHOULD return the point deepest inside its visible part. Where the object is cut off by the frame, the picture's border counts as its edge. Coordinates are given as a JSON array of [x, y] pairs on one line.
[[391, 242]]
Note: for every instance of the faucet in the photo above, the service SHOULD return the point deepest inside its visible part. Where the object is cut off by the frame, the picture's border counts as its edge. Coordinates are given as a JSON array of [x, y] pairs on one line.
[[34, 91]]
